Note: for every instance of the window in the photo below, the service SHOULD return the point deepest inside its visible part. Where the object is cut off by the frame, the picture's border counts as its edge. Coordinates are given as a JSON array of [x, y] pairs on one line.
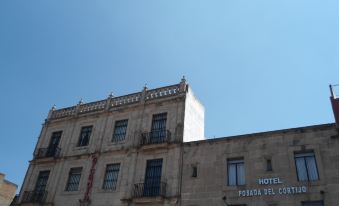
[[84, 136], [53, 144], [236, 172], [269, 165], [194, 171], [120, 129], [73, 179], [313, 203], [41, 182], [39, 194], [158, 129], [306, 166], [111, 177], [152, 186], [55, 138]]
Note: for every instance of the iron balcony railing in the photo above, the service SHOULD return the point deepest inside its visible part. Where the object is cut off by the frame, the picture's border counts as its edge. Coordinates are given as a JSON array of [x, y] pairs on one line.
[[155, 137], [34, 196], [150, 189], [48, 152]]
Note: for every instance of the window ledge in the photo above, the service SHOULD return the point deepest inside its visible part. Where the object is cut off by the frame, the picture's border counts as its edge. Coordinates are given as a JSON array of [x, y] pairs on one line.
[[154, 146], [107, 191], [145, 200], [116, 143], [78, 192], [81, 147], [235, 187], [311, 183]]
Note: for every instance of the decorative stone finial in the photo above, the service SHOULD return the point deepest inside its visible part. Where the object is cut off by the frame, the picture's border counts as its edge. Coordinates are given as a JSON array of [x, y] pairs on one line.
[[53, 107], [81, 101], [183, 79], [111, 95], [145, 87], [183, 85]]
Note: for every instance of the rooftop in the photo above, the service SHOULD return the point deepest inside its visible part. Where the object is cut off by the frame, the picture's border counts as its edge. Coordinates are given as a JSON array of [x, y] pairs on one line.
[[313, 128], [145, 95]]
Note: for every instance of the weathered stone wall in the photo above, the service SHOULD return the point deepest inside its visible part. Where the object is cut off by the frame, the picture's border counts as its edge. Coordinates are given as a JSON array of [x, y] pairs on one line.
[[185, 122], [211, 156], [7, 191], [129, 153]]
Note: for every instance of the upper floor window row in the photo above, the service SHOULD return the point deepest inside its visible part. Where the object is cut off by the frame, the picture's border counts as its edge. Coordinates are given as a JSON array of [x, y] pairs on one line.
[[305, 163], [119, 133], [157, 133], [74, 177], [153, 177], [158, 130]]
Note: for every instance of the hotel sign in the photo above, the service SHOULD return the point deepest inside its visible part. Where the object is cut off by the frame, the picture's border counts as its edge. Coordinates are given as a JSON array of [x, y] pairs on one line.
[[268, 191]]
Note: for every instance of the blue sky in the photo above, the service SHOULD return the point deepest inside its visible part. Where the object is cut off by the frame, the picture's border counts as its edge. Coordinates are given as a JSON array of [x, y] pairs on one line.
[[256, 65]]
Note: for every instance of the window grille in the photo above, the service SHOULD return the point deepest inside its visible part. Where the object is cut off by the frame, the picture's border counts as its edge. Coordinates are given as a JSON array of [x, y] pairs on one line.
[[84, 136], [158, 129], [39, 193], [152, 185], [111, 176], [74, 179], [120, 129], [53, 144], [41, 182]]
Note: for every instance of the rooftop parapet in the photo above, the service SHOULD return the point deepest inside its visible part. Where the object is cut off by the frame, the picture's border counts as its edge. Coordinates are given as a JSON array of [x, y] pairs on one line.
[[113, 102]]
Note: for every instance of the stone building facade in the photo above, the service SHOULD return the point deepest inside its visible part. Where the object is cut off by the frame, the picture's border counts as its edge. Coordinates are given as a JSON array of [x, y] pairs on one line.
[[118, 151], [7, 191], [148, 148], [271, 166]]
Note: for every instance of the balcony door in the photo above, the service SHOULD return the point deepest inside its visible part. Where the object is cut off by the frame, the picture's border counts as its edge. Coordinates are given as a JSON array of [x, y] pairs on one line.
[[40, 187], [53, 144], [152, 184], [158, 129]]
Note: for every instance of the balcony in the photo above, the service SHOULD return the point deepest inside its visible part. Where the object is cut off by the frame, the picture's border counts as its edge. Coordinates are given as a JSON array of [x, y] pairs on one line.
[[34, 196], [155, 137], [48, 152], [149, 190]]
